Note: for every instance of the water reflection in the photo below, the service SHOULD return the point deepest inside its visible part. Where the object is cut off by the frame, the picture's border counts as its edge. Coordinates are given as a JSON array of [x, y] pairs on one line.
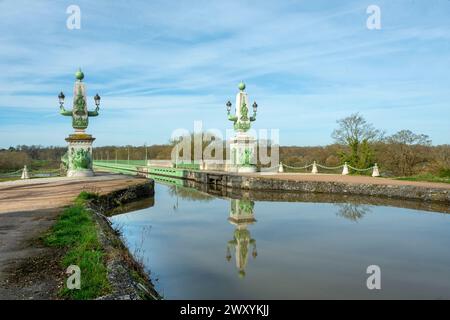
[[309, 239], [241, 216], [352, 211]]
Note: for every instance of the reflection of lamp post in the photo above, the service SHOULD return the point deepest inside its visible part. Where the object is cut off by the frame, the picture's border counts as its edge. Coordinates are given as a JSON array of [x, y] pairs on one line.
[[241, 215]]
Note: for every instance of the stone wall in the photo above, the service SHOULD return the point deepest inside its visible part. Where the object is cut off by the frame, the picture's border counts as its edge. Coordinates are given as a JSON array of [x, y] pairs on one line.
[[120, 197], [384, 190], [126, 275], [235, 181]]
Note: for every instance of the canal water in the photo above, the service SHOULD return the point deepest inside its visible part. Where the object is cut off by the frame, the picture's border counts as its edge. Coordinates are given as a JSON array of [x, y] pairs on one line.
[[221, 245]]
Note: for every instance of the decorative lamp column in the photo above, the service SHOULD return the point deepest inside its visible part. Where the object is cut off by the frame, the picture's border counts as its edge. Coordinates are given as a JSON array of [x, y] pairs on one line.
[[78, 159], [242, 145], [241, 216]]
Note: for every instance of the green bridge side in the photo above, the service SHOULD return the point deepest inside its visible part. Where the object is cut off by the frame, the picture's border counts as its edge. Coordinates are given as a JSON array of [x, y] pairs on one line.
[[134, 168]]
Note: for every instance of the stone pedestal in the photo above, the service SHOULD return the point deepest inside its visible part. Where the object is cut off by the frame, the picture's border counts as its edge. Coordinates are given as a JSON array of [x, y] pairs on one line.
[[242, 153], [79, 160]]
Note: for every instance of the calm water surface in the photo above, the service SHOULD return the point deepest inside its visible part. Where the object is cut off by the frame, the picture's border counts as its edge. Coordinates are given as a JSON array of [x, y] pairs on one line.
[[198, 246]]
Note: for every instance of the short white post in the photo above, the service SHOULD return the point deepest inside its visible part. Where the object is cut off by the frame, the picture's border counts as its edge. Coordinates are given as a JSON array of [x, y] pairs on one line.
[[375, 172], [280, 168], [345, 169], [314, 168], [25, 174]]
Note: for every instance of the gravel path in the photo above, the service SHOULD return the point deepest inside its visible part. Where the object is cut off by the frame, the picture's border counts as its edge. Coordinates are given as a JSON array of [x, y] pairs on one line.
[[47, 193], [28, 208]]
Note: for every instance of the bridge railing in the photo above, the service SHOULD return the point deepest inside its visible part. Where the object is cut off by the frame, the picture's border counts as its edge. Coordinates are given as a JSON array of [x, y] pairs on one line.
[[31, 173], [345, 168], [314, 167]]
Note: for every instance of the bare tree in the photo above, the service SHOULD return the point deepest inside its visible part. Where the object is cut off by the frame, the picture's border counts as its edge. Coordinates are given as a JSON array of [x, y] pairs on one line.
[[357, 134], [407, 137], [407, 152], [354, 129]]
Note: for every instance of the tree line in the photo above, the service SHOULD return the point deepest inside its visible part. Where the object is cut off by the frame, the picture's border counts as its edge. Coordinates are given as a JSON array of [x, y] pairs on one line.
[[356, 142]]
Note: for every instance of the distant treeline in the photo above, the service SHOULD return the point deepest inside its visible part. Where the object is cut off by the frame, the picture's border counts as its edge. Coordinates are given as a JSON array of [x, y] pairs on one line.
[[357, 142], [35, 157], [393, 159]]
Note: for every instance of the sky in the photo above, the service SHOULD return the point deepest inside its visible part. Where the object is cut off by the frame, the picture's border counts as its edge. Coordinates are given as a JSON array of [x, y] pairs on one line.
[[161, 65]]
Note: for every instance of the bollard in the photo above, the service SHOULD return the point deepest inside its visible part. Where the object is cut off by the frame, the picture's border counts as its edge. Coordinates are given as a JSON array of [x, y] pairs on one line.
[[280, 168], [25, 174], [314, 168], [375, 172], [345, 170]]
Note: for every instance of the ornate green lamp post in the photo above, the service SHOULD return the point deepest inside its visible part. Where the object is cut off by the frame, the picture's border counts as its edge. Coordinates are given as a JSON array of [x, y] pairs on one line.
[[78, 159], [242, 145]]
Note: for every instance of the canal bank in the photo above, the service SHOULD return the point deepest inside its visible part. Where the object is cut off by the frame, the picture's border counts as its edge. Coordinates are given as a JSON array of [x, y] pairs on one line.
[[29, 269], [297, 182]]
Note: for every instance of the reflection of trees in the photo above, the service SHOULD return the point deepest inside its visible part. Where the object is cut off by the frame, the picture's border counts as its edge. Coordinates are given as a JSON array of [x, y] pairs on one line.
[[352, 211], [189, 193]]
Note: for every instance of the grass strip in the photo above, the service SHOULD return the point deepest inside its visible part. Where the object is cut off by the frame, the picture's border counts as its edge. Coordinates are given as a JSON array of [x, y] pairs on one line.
[[425, 177], [76, 232]]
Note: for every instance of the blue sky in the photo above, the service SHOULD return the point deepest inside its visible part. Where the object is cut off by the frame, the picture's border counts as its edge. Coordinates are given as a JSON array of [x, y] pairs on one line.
[[161, 65]]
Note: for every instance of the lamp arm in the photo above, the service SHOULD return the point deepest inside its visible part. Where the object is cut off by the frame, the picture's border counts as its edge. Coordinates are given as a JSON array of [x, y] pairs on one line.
[[232, 118], [65, 112], [93, 113], [253, 118]]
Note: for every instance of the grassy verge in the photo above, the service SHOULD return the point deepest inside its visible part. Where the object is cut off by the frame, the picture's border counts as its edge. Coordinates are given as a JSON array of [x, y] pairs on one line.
[[76, 232], [426, 177], [9, 179]]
